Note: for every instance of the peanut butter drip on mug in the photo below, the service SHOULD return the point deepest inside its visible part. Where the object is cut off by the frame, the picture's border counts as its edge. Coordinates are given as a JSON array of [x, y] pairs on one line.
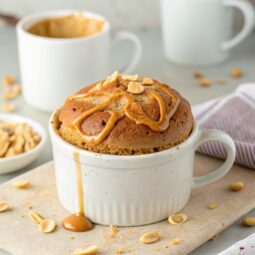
[[78, 222], [120, 100]]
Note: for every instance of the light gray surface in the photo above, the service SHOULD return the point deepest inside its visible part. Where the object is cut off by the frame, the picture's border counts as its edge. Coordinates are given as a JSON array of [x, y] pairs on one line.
[[153, 64]]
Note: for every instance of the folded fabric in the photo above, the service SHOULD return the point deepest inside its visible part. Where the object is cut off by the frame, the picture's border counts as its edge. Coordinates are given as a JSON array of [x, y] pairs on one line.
[[235, 115], [242, 247]]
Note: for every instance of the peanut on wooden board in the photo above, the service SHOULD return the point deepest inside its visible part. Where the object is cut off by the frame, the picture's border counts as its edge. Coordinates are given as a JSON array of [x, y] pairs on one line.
[[35, 217], [236, 186], [212, 205], [87, 250], [113, 231], [177, 218], [47, 226], [3, 207], [249, 221], [176, 241], [147, 81], [150, 237], [21, 184], [111, 79]]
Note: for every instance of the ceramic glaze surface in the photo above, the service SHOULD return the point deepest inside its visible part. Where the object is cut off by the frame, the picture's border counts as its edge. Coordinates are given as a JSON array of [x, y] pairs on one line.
[[133, 190]]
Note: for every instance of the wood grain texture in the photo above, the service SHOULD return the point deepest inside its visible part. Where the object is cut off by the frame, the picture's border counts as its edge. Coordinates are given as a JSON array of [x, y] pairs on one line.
[[20, 236]]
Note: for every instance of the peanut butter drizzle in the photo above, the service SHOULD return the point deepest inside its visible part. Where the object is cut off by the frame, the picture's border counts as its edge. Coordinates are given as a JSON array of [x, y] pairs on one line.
[[78, 222], [109, 95]]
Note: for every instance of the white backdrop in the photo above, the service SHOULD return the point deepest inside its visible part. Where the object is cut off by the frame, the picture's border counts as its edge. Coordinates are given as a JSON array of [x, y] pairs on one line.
[[122, 13]]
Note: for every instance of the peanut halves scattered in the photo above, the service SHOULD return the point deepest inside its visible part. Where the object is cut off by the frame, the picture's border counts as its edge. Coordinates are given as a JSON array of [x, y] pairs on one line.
[[237, 186], [45, 225], [150, 237], [21, 184], [87, 250], [249, 221], [177, 218], [3, 207]]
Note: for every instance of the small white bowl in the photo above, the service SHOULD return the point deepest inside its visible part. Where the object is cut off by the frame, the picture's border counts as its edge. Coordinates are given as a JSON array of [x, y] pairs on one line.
[[11, 164]]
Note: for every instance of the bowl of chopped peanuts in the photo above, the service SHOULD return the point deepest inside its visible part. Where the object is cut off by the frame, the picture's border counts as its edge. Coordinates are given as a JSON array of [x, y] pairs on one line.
[[21, 142]]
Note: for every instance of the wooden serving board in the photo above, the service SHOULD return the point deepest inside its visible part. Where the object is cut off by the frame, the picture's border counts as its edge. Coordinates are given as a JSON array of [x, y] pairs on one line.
[[20, 236]]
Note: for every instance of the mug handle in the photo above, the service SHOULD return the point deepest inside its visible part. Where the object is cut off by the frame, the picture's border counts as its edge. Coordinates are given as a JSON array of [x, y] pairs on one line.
[[249, 18], [216, 135], [137, 45]]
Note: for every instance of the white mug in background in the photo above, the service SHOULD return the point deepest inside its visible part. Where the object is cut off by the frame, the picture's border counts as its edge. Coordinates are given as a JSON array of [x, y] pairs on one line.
[[53, 68], [198, 32]]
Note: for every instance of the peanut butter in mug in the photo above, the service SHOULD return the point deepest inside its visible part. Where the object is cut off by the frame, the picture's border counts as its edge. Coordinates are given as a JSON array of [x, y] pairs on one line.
[[71, 26]]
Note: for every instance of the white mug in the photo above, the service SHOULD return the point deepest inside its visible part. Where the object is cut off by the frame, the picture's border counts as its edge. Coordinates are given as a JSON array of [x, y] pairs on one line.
[[53, 68], [198, 32], [134, 190]]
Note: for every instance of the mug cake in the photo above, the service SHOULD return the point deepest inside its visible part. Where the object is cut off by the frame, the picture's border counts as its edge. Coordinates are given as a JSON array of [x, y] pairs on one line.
[[125, 115], [123, 152]]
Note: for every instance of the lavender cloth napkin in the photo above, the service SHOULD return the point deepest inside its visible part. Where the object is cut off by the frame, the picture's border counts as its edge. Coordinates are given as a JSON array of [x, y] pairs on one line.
[[243, 247], [235, 115]]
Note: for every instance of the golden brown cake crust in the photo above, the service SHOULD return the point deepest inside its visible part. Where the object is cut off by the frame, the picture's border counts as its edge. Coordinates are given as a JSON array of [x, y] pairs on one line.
[[126, 137]]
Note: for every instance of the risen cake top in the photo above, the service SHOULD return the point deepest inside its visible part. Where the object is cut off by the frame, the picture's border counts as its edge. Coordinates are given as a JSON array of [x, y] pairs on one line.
[[122, 108]]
